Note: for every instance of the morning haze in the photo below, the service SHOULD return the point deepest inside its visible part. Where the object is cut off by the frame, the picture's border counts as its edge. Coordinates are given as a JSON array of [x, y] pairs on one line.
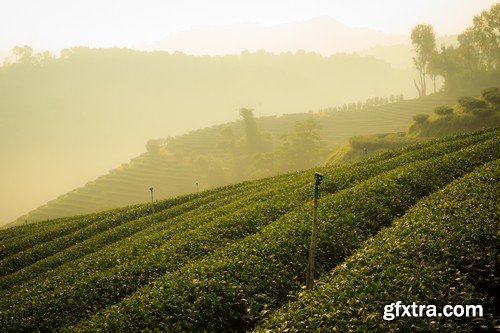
[[86, 84]]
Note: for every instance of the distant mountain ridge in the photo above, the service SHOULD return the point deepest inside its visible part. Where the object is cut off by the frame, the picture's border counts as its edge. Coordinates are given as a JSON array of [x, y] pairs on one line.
[[321, 34]]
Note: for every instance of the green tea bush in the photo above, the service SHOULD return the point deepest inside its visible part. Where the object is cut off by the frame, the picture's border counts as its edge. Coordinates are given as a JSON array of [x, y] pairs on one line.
[[443, 251], [24, 237], [96, 290], [178, 206], [420, 118], [142, 232], [482, 112], [381, 141], [443, 110], [493, 98], [469, 103]]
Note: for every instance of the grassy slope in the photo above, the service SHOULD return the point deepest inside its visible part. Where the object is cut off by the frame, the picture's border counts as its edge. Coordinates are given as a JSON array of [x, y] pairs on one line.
[[215, 259], [171, 176]]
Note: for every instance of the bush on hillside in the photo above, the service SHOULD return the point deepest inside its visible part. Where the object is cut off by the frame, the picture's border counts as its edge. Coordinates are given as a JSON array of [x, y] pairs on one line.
[[493, 98], [420, 118], [443, 110], [487, 91], [482, 112], [153, 147], [470, 103]]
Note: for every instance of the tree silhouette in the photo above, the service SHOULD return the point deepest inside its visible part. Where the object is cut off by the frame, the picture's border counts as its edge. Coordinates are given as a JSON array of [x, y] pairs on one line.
[[424, 42]]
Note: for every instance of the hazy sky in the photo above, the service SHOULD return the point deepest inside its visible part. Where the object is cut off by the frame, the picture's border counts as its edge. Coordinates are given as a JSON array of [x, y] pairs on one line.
[[54, 24]]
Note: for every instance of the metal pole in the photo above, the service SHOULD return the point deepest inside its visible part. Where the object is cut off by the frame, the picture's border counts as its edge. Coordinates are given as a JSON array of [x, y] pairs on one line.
[[197, 188], [312, 249], [152, 206]]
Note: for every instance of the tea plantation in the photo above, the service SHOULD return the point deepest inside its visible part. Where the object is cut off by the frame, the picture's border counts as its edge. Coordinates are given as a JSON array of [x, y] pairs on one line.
[[171, 176], [418, 223]]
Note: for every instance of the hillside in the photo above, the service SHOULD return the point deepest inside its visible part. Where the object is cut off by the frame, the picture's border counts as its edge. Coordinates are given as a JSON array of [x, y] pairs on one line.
[[468, 114], [171, 174], [66, 119], [231, 257]]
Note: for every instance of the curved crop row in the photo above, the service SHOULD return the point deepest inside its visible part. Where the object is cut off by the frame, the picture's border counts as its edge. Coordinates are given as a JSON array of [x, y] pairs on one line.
[[103, 288], [84, 291], [229, 289], [22, 237], [39, 251], [166, 222], [38, 233], [398, 157], [444, 251], [98, 242], [205, 196]]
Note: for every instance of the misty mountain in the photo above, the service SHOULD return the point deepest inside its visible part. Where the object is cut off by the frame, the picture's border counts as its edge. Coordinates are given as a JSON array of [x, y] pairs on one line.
[[323, 35]]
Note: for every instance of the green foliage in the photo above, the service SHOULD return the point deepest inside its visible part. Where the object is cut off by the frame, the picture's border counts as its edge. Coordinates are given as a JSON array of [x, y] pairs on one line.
[[493, 98], [303, 148], [381, 141], [219, 260], [443, 110], [420, 118], [489, 90], [205, 234], [472, 114], [360, 147], [424, 42], [470, 103], [443, 251], [153, 146], [230, 289], [475, 61], [36, 252], [482, 112]]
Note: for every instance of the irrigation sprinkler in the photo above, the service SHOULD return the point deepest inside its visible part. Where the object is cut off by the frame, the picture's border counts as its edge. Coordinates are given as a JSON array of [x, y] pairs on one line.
[[197, 187], [318, 179], [152, 205]]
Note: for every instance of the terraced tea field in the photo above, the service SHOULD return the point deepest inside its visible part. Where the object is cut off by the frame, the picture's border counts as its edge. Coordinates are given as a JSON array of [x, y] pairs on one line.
[[414, 224], [170, 176]]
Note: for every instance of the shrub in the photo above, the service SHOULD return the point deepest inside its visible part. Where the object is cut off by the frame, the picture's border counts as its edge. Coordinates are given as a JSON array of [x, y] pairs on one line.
[[153, 146], [489, 90], [469, 103], [420, 118], [443, 110], [493, 98], [482, 112]]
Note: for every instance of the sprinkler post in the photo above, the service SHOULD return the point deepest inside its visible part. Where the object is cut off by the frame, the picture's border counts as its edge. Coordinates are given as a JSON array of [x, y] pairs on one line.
[[152, 205], [318, 179]]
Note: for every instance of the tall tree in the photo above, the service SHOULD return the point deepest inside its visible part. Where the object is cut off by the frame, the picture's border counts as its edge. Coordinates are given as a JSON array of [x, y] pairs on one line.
[[255, 142], [303, 147], [424, 42], [23, 54], [486, 33]]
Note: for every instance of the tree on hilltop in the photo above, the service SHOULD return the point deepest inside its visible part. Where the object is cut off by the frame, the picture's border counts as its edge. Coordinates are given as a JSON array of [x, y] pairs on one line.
[[424, 42]]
